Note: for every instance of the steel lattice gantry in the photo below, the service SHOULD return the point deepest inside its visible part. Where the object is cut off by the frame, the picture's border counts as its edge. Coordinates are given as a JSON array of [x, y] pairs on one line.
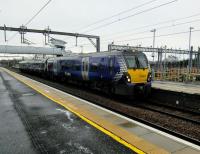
[[22, 30], [147, 49]]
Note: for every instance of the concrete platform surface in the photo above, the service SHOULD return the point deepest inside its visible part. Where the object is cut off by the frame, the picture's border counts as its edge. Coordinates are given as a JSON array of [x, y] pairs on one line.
[[188, 88], [31, 123], [13, 136], [125, 132]]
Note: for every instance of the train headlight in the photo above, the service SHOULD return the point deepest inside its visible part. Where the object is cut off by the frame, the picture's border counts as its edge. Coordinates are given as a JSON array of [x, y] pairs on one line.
[[128, 78]]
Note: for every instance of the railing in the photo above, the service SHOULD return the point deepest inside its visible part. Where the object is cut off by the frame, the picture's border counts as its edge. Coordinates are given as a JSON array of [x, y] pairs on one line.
[[177, 74]]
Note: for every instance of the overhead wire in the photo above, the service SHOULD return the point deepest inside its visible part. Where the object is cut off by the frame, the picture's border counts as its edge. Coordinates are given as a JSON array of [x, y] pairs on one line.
[[140, 38], [158, 28], [118, 14], [159, 23], [162, 35], [132, 15], [163, 4], [32, 18], [162, 27], [40, 10], [147, 10]]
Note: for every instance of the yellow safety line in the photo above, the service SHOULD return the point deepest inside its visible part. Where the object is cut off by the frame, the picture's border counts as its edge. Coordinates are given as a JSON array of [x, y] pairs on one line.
[[115, 137]]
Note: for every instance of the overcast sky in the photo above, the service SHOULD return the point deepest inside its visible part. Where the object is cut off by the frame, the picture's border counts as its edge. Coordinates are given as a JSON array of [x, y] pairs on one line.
[[75, 15]]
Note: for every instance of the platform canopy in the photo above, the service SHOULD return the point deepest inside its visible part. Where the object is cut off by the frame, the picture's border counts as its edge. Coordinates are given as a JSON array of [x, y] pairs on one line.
[[8, 49]]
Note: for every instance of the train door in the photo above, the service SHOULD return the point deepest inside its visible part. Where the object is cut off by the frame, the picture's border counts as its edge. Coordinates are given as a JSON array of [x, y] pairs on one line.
[[85, 68], [55, 68], [111, 66]]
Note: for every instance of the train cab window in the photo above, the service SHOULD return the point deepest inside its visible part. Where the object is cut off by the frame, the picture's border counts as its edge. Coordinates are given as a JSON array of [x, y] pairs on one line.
[[131, 61], [142, 61]]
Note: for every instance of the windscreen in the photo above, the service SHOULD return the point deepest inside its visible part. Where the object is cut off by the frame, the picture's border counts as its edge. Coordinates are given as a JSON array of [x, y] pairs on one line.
[[142, 61], [136, 61], [131, 61]]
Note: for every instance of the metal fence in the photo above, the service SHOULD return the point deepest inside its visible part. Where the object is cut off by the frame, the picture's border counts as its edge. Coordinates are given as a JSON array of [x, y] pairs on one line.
[[181, 66]]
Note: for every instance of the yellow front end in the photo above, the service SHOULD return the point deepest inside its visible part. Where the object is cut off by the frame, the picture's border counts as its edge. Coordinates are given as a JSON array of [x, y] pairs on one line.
[[138, 75]]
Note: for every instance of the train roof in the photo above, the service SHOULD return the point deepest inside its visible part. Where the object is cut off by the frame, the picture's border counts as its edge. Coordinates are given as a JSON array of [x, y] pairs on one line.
[[113, 52], [94, 54], [103, 53]]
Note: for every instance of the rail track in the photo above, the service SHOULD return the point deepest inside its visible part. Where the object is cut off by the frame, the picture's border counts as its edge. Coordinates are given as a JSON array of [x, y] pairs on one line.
[[180, 114], [168, 130], [185, 125]]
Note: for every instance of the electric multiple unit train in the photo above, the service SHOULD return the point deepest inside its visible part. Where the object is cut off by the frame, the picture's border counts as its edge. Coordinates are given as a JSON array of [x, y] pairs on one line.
[[119, 72]]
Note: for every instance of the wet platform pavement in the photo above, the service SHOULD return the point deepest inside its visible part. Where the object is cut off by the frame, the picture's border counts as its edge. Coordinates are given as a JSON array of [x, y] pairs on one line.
[[13, 136], [50, 128], [31, 123]]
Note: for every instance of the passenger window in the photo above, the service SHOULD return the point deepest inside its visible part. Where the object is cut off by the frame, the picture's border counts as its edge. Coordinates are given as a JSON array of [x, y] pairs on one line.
[[77, 67], [68, 64], [94, 68]]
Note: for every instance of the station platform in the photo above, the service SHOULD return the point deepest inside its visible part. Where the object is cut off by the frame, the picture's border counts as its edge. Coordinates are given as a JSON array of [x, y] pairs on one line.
[[189, 88], [38, 118], [175, 94]]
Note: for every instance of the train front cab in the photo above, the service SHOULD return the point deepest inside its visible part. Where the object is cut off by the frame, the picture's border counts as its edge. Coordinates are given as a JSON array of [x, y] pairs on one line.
[[140, 82], [137, 79]]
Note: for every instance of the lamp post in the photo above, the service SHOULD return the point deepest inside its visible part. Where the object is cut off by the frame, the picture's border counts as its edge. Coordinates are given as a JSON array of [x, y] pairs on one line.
[[190, 32], [154, 32], [190, 52]]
